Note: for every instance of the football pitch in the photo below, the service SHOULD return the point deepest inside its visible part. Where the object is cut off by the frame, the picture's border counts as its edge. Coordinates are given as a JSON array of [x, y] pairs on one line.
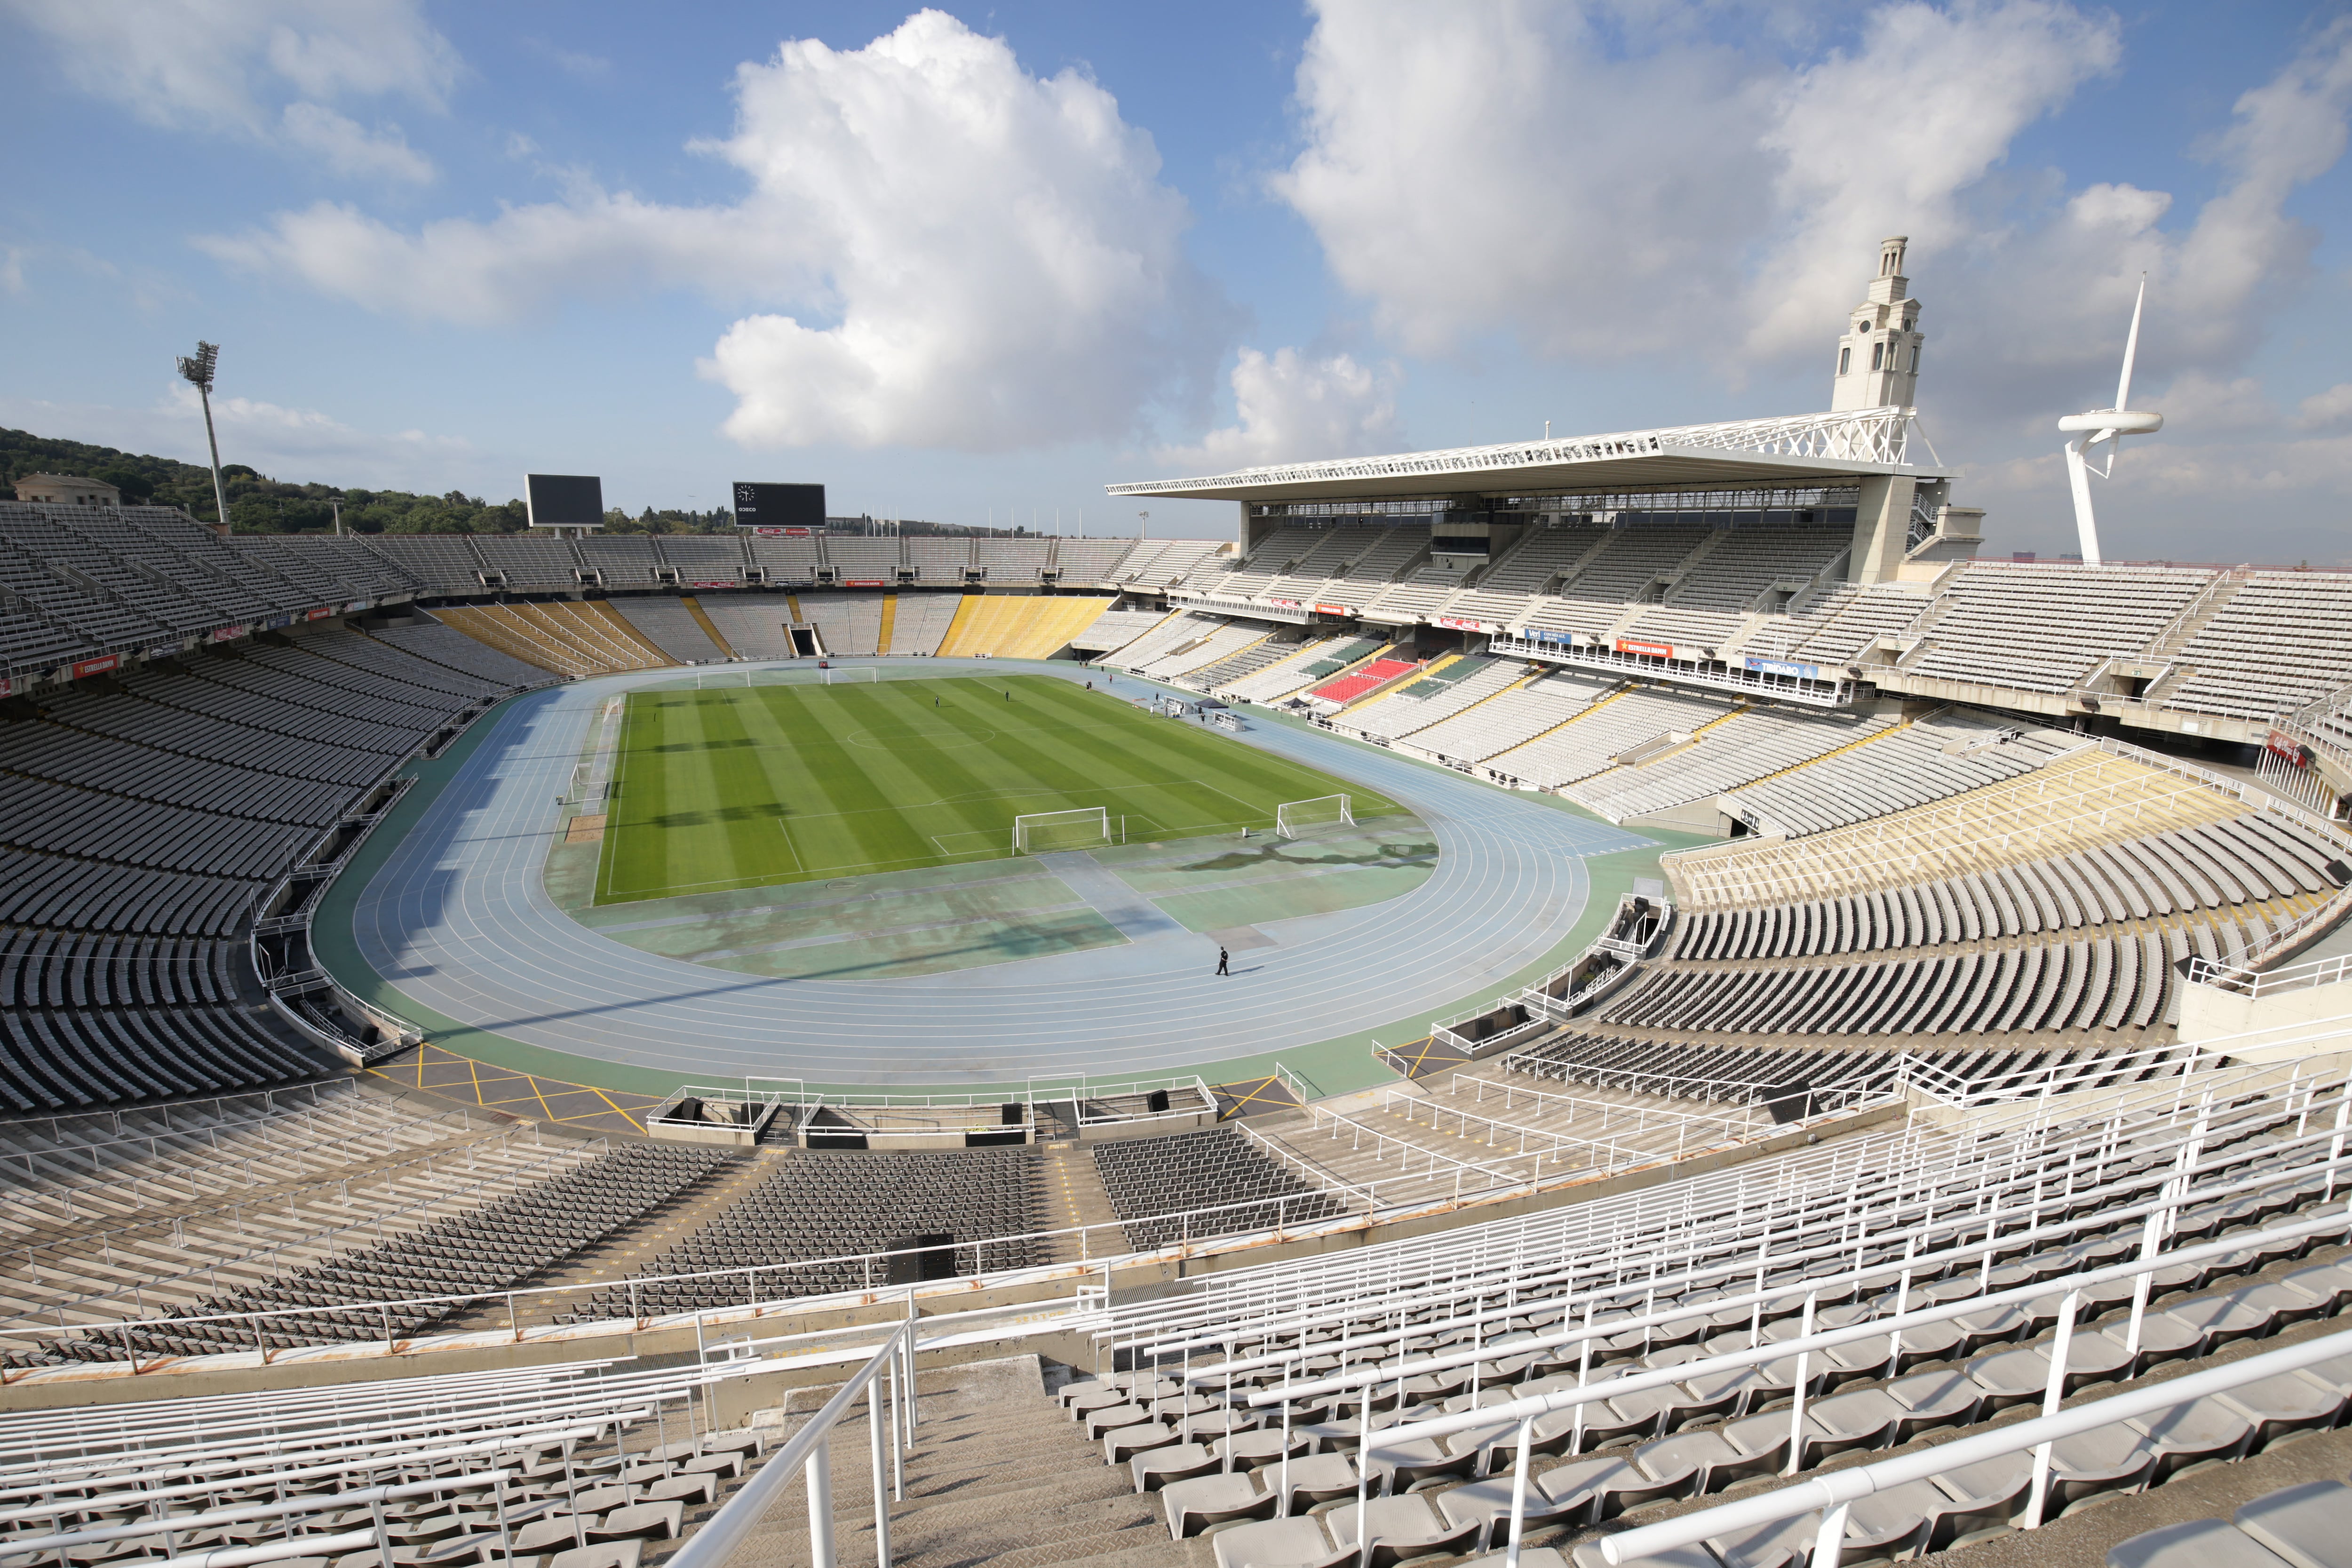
[[751, 787]]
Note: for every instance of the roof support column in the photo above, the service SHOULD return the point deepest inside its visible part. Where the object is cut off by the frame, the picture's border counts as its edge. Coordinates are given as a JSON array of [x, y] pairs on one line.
[[1881, 528]]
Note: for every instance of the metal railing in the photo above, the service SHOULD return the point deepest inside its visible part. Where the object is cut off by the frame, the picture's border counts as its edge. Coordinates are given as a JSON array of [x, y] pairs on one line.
[[1679, 1086], [1917, 1174], [2091, 1070], [2059, 1205], [810, 1451], [114, 1179], [1834, 1494], [1831, 691], [113, 1116], [2254, 985], [1611, 1111], [1565, 1151], [1864, 436]]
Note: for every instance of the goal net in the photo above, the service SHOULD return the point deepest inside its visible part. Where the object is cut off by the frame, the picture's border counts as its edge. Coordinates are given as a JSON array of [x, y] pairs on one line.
[[1292, 816], [1083, 828], [839, 677]]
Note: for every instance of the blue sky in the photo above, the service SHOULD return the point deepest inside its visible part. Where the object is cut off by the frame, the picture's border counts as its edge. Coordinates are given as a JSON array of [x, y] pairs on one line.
[[972, 263]]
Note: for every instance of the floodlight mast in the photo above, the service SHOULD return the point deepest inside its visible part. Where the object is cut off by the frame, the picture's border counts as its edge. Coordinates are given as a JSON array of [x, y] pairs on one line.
[[197, 371]]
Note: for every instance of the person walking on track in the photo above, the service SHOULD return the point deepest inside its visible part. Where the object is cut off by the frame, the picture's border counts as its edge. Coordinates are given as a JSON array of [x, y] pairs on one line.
[[1224, 963]]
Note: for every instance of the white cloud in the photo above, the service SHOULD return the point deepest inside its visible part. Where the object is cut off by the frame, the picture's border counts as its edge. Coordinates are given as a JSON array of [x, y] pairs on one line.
[[299, 445], [952, 252], [1294, 408], [2328, 410], [1893, 137], [1594, 181], [1599, 183], [12, 268], [1473, 168], [262, 69], [2199, 405], [350, 148]]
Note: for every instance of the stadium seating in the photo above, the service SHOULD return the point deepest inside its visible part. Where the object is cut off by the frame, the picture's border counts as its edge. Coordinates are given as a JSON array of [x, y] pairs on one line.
[[1593, 739], [1113, 630], [670, 625], [1512, 718], [1360, 681], [146, 814], [1180, 630], [2282, 639], [788, 562], [2047, 628], [1294, 664], [1258, 655], [1927, 759], [701, 560], [922, 621], [1164, 562], [1018, 626], [569, 1204], [753, 624], [847, 624], [589, 638], [2082, 799], [1447, 690], [808, 1226], [1725, 754], [530, 566], [230, 1204], [1747, 562], [1838, 623], [1216, 646], [1154, 1184], [1320, 1352]]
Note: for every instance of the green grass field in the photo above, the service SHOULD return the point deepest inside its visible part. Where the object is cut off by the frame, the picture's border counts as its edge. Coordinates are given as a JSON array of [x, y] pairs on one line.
[[746, 787]]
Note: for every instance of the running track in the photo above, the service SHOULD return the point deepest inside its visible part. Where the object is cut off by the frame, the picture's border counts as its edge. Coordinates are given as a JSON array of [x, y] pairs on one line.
[[458, 919]]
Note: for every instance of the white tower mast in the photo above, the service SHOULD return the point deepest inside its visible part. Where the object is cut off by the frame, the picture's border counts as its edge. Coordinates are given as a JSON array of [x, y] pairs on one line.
[[1878, 359]]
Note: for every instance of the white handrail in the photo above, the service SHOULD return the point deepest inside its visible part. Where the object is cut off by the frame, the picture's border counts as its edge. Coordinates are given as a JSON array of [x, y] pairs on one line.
[[810, 1449], [1831, 1493], [1729, 1258]]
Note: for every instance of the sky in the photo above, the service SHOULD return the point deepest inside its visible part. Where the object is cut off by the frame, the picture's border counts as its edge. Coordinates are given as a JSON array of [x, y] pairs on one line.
[[973, 265]]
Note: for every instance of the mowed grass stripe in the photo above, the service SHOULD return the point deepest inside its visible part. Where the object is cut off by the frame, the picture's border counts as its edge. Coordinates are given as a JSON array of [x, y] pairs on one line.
[[749, 787]]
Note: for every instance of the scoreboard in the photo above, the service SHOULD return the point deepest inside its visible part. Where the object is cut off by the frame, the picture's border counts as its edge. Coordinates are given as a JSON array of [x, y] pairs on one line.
[[765, 506], [564, 500]]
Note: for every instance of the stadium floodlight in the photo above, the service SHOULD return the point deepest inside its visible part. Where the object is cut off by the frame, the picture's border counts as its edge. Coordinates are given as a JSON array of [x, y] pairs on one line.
[[196, 370], [1086, 828], [1292, 816], [2110, 425]]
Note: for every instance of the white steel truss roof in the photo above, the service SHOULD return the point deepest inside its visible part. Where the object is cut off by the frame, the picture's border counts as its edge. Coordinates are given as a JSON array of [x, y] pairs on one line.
[[1775, 451]]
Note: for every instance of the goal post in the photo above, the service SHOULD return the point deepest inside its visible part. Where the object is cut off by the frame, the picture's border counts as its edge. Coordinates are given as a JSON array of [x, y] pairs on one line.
[[1292, 816], [1087, 827], [842, 677]]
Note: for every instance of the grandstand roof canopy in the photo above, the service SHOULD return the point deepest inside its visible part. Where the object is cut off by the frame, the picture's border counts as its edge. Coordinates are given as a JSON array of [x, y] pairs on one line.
[[1746, 453]]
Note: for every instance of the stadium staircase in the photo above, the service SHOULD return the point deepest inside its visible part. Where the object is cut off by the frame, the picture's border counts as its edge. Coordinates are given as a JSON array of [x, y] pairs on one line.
[[709, 627], [889, 622], [999, 1475], [965, 611]]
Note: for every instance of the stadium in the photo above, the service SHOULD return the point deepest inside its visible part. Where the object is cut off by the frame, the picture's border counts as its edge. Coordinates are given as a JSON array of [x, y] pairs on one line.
[[1630, 998]]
